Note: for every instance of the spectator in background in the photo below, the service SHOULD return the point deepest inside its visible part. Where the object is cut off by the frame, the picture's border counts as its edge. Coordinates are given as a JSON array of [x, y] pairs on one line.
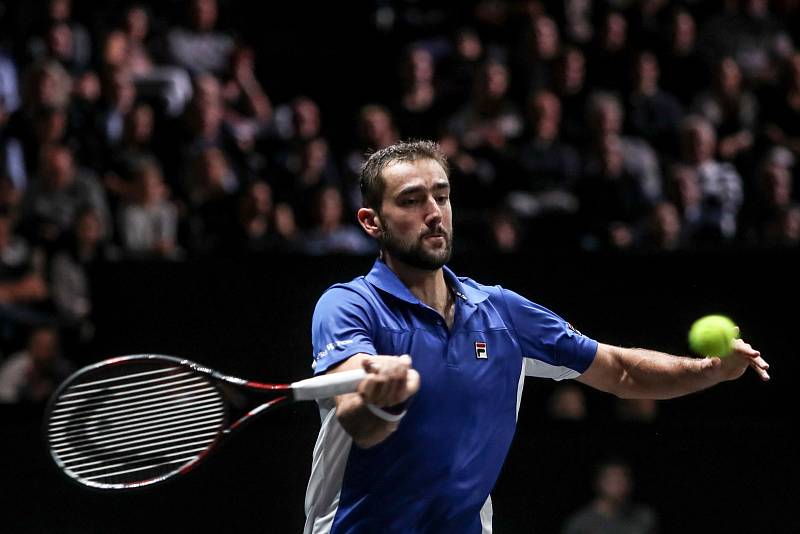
[[33, 374], [211, 186], [46, 85], [9, 82], [460, 68], [199, 47], [256, 227], [782, 113], [612, 509], [748, 32], [731, 109], [612, 199], [639, 160], [663, 229], [12, 155], [21, 280], [608, 58], [375, 129], [683, 70], [570, 88], [771, 199], [540, 49], [119, 97], [58, 34], [60, 190], [148, 223], [70, 275], [652, 114], [720, 184], [567, 403], [490, 122], [329, 234], [170, 86], [248, 109], [547, 169], [421, 110]]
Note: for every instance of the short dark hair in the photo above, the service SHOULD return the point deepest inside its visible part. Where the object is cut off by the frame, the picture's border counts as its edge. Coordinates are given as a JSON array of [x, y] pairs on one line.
[[371, 181]]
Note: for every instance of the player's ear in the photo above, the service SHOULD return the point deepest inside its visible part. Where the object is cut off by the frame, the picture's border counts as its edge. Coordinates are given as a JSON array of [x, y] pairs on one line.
[[370, 221]]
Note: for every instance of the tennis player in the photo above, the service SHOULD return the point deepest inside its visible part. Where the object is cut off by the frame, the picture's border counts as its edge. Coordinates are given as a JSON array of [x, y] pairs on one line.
[[419, 447]]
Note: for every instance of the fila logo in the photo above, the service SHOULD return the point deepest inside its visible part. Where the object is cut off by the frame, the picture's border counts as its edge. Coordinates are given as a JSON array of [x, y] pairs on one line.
[[480, 350]]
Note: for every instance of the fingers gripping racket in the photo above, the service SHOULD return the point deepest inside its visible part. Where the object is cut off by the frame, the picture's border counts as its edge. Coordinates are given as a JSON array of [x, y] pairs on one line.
[[139, 420]]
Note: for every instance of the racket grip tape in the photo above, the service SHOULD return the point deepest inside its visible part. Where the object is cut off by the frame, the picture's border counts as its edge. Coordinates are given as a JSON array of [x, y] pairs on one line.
[[330, 385]]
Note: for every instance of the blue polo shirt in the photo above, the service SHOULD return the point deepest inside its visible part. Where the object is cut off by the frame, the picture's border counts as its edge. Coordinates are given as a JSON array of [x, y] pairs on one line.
[[435, 473]]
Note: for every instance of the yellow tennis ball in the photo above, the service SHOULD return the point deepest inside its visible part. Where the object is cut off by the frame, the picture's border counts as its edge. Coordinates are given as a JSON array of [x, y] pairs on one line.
[[713, 335]]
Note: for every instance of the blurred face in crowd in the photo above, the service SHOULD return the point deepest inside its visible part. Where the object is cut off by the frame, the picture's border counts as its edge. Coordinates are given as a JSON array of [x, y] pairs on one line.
[[606, 117], [330, 207], [376, 125], [58, 167], [306, 117], [683, 32], [646, 71], [51, 126], [545, 33], [150, 185], [686, 185], [115, 49], [614, 483], [137, 23], [59, 9], [121, 90], [545, 115], [204, 14], [420, 66], [469, 46], [139, 124], [258, 200], [59, 41], [415, 219], [88, 229], [667, 223], [777, 185], [494, 80], [616, 32], [43, 347], [5, 231], [572, 71], [699, 141], [729, 76]]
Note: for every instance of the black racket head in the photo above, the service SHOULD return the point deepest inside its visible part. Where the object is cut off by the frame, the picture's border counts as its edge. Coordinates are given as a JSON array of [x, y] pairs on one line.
[[133, 421]]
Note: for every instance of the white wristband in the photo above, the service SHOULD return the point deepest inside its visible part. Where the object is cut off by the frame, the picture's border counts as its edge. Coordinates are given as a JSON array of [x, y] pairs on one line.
[[383, 414]]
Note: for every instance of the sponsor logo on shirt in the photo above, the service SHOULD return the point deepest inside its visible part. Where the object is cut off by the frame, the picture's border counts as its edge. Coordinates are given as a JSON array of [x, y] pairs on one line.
[[333, 345], [480, 350], [573, 329]]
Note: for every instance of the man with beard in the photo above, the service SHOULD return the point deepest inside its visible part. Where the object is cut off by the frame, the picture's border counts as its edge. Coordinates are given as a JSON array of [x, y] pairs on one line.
[[419, 449]]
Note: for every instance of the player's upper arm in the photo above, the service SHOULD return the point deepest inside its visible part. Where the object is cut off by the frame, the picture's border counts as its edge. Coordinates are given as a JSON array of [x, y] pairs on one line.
[[340, 328], [605, 373]]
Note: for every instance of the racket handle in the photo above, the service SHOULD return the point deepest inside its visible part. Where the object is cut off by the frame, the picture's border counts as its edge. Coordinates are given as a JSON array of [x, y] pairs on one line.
[[330, 385]]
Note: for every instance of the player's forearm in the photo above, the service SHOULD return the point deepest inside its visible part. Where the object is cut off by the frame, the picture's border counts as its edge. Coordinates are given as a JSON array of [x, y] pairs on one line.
[[657, 375], [366, 429]]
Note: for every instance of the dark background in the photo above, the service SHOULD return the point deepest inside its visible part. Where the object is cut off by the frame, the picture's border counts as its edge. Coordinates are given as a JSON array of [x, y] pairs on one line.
[[723, 460]]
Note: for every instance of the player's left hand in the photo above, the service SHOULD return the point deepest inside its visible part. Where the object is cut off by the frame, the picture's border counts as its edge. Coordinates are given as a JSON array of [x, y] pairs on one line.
[[735, 364]]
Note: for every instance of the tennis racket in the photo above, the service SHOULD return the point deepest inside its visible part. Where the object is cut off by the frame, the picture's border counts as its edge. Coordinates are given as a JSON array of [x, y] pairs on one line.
[[140, 420]]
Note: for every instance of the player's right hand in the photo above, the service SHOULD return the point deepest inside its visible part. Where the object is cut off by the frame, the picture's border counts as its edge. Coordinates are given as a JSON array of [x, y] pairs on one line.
[[390, 380]]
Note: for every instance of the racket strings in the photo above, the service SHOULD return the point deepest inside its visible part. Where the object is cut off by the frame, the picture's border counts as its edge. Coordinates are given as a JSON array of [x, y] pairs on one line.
[[117, 428]]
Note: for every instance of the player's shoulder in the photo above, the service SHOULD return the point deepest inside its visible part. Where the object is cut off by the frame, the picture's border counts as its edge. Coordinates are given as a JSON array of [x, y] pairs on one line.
[[356, 291]]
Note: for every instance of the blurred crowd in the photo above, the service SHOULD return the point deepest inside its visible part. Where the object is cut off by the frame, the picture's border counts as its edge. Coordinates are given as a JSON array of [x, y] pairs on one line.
[[147, 134]]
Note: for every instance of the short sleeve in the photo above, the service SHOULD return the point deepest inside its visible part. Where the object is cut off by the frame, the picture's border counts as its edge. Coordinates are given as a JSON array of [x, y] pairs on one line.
[[553, 348], [341, 327]]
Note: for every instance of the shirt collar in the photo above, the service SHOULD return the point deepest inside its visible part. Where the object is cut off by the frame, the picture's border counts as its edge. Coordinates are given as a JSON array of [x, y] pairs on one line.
[[382, 277]]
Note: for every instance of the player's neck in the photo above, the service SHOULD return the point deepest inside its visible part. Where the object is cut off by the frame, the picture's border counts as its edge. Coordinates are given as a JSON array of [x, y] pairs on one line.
[[428, 286]]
